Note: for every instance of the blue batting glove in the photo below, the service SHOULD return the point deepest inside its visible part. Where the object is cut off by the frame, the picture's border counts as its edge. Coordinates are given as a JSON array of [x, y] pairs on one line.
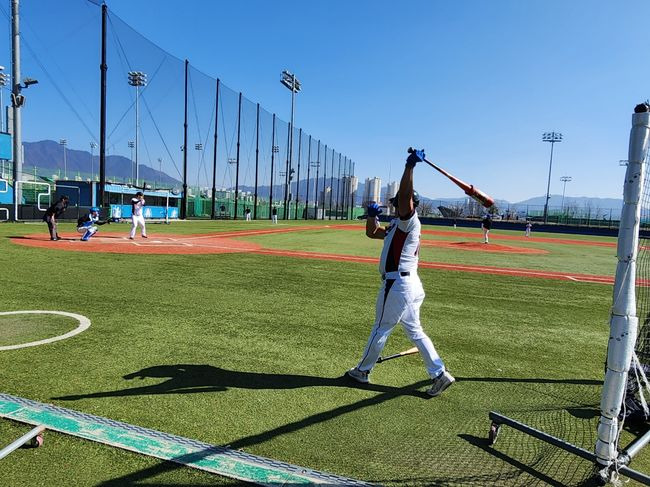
[[374, 210], [414, 157]]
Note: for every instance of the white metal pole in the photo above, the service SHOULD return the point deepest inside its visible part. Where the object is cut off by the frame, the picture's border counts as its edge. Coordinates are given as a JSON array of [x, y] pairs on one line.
[[623, 320], [137, 129], [16, 98], [21, 441]]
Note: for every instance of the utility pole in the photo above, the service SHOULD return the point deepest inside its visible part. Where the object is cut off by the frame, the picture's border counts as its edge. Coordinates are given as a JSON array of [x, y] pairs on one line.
[[551, 137]]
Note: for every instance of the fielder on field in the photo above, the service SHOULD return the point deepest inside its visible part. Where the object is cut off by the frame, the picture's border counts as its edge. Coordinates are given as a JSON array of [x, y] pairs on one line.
[[137, 218], [401, 293], [88, 224], [486, 226]]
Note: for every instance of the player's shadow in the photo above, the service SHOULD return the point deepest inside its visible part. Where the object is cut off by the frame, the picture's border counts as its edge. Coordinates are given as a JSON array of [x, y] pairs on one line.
[[192, 379], [532, 380]]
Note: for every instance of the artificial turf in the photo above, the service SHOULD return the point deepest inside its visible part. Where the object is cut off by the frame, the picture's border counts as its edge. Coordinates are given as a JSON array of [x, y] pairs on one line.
[[248, 351]]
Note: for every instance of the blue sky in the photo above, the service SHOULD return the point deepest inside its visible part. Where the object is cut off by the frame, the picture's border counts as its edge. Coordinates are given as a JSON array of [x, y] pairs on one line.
[[475, 83]]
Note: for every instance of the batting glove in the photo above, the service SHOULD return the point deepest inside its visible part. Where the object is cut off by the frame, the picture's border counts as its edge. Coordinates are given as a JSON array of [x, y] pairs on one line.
[[414, 157], [374, 210]]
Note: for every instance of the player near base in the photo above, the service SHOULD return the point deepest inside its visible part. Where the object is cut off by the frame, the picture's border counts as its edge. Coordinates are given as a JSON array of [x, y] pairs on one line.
[[486, 226], [401, 293], [88, 224], [137, 218]]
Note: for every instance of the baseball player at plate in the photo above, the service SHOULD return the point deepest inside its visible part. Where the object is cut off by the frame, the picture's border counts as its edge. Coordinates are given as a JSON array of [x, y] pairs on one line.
[[401, 293], [137, 218]]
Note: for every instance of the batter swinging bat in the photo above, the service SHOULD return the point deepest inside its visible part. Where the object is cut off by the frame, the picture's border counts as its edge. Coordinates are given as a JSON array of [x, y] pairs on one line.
[[410, 351], [469, 189]]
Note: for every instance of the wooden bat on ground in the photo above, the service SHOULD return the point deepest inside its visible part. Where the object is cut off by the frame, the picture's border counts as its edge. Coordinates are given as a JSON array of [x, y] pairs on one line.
[[469, 189], [410, 351]]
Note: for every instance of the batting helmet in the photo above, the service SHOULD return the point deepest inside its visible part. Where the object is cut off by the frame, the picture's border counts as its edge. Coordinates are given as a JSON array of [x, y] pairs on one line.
[[395, 199], [94, 209]]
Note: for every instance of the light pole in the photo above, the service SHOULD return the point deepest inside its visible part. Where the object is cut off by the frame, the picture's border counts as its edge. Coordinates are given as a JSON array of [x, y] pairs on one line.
[[198, 148], [275, 149], [564, 179], [93, 146], [63, 143], [4, 80], [159, 171], [315, 164], [131, 145], [551, 137], [137, 79], [291, 82]]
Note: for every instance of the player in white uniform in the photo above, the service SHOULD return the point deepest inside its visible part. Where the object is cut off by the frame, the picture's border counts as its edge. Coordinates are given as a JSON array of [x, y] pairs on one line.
[[401, 293], [137, 218]]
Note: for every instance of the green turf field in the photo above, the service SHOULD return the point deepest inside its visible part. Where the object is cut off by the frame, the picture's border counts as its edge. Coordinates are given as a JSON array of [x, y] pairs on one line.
[[248, 351]]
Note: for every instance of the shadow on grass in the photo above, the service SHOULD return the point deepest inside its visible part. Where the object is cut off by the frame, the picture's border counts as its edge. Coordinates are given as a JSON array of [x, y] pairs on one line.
[[192, 379], [527, 380]]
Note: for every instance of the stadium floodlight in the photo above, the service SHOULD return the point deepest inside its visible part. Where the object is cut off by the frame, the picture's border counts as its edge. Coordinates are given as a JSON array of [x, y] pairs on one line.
[[564, 179], [131, 145], [137, 79], [290, 81], [93, 146], [63, 143], [29, 81], [4, 81], [551, 137]]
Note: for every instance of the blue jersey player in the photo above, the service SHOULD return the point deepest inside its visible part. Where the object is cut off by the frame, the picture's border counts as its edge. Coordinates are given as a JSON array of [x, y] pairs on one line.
[[87, 224]]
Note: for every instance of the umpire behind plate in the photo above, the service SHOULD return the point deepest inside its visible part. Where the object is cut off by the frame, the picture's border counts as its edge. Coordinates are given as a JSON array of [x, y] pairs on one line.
[[401, 293]]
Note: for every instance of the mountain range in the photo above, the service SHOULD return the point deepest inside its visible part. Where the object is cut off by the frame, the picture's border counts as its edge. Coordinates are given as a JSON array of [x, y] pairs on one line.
[[48, 155]]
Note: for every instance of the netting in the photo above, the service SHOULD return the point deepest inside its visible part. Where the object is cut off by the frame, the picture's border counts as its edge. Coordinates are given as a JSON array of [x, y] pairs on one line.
[[168, 124]]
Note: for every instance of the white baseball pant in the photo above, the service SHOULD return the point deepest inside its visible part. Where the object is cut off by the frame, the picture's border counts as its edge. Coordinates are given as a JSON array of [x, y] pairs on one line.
[[399, 301], [135, 221]]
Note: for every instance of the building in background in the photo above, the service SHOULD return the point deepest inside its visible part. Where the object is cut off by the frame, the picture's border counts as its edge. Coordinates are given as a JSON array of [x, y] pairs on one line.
[[391, 190], [372, 191]]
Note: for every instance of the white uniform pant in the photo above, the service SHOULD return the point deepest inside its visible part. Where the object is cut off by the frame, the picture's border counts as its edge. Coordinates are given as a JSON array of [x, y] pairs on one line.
[[486, 234], [274, 218], [135, 221], [87, 232], [399, 301]]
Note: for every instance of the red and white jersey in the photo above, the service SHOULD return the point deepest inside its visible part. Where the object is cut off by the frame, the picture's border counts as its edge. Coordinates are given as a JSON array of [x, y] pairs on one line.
[[136, 206], [401, 245]]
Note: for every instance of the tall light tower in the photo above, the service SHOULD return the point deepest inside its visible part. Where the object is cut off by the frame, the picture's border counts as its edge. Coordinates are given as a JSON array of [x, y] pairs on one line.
[[4, 80], [198, 148], [551, 137], [291, 82], [137, 79], [131, 145], [564, 179], [63, 143], [159, 170], [93, 146]]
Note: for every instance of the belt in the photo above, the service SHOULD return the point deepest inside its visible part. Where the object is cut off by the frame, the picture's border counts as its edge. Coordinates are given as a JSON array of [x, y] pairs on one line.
[[394, 275]]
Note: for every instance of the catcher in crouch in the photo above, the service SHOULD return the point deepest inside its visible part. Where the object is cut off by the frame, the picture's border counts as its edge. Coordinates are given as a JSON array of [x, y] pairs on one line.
[[401, 293]]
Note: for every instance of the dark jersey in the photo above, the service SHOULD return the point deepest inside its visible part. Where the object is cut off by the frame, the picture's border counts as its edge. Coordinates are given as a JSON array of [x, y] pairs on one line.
[[487, 223], [57, 209]]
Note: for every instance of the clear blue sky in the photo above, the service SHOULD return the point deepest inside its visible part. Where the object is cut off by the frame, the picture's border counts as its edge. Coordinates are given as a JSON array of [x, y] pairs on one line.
[[475, 83]]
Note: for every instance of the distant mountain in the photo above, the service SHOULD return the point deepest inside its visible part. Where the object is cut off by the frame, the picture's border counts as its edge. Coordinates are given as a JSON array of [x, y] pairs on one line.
[[555, 201], [48, 154]]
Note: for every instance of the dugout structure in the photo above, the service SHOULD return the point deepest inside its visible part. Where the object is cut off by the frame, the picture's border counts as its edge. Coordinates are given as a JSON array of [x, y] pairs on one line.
[[628, 350]]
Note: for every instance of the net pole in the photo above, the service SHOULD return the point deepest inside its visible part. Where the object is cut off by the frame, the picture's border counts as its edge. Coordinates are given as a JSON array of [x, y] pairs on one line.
[[324, 181], [623, 319], [214, 154], [257, 158], [331, 183], [103, 68], [308, 180], [237, 171], [316, 183], [272, 168], [298, 176], [338, 189], [184, 199]]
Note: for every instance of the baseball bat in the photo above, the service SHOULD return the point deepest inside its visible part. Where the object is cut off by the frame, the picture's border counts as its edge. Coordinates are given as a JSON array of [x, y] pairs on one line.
[[468, 189], [410, 351]]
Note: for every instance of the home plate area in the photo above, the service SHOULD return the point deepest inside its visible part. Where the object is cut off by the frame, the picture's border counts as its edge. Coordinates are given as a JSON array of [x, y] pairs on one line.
[[155, 244]]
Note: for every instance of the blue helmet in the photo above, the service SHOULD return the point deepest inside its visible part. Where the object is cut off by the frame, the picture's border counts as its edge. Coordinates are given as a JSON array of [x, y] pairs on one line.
[[94, 209]]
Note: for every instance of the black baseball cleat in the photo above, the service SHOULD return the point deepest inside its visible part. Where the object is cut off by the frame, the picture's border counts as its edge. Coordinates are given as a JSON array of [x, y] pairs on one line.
[[357, 375]]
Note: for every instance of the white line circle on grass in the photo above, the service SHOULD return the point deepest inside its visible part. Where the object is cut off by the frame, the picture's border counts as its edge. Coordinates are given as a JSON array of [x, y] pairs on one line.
[[84, 323]]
